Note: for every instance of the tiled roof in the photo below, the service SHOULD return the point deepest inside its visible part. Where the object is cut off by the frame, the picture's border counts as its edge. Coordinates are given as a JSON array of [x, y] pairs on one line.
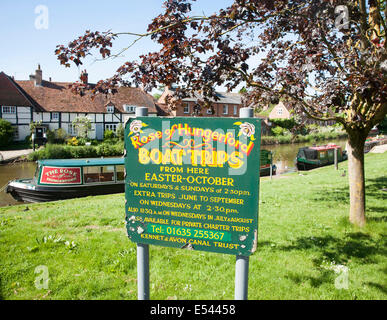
[[12, 95], [57, 97], [224, 97]]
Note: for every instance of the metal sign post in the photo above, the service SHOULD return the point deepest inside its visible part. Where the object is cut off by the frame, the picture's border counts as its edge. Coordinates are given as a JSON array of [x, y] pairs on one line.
[[242, 262], [142, 249]]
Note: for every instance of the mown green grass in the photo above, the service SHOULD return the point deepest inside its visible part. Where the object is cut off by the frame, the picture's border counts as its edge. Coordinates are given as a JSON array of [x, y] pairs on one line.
[[303, 232]]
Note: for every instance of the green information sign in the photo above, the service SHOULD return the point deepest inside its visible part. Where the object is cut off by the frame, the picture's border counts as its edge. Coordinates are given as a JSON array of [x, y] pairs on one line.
[[193, 183]]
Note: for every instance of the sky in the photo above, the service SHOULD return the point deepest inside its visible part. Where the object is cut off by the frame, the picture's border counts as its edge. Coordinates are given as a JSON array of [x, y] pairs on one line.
[[30, 30]]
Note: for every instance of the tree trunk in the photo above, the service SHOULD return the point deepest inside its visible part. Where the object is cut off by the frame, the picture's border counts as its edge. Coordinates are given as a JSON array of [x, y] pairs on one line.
[[355, 149]]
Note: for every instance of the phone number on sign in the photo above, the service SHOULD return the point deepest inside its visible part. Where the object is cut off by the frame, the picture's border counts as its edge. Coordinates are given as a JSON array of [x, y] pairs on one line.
[[189, 232]]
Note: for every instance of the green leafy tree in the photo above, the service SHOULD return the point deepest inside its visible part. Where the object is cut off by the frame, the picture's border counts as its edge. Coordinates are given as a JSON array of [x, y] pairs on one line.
[[6, 133], [83, 126]]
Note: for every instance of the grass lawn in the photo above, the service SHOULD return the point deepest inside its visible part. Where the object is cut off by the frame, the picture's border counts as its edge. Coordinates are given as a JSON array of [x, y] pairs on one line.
[[305, 244]]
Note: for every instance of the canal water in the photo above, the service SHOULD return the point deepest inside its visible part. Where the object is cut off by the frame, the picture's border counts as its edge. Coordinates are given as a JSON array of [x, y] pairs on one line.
[[284, 159]]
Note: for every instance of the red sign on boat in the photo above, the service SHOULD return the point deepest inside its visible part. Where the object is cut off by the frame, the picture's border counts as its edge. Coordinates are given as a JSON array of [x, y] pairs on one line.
[[56, 175]]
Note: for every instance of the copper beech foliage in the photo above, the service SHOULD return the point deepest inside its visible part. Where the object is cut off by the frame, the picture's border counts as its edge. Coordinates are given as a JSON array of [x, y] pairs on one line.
[[326, 57]]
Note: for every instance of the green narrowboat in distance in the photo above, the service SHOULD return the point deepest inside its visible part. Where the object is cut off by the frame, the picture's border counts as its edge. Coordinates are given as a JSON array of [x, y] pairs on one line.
[[66, 179], [314, 157], [266, 160]]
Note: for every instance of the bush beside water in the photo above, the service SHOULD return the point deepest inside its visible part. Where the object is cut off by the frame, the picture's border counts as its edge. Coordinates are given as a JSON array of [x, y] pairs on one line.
[[310, 133], [56, 151]]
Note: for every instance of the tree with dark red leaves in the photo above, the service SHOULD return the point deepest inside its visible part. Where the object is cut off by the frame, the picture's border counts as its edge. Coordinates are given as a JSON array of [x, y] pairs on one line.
[[325, 57]]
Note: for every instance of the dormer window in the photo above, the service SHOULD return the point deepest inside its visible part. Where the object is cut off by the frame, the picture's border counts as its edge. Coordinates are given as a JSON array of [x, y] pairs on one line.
[[110, 109], [129, 108]]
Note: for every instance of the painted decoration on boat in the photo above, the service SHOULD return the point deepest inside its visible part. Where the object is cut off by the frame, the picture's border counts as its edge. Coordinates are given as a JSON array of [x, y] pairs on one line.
[[57, 175]]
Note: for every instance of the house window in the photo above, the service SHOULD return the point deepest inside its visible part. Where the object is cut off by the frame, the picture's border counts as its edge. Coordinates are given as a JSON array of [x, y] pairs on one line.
[[72, 131], [129, 108], [112, 127], [7, 109], [110, 109], [186, 107], [280, 111], [235, 110], [55, 116], [225, 109], [209, 111]]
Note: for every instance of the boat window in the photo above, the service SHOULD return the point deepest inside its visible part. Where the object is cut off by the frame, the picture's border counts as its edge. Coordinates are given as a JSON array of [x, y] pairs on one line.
[[107, 174], [310, 154], [120, 172], [37, 172], [323, 154], [98, 174]]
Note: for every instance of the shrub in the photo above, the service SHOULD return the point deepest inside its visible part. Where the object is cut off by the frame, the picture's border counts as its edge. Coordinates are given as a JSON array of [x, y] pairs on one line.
[[50, 136], [72, 141], [108, 134], [284, 123], [6, 133], [120, 132], [82, 141], [278, 131], [60, 135], [55, 151], [83, 152]]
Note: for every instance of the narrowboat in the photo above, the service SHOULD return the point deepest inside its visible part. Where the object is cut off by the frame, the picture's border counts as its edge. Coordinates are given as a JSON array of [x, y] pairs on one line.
[[266, 160], [66, 179], [314, 157]]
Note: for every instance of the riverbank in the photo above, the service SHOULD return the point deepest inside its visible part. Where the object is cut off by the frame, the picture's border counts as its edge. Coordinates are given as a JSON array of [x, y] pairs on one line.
[[110, 149], [304, 244], [312, 138], [14, 155]]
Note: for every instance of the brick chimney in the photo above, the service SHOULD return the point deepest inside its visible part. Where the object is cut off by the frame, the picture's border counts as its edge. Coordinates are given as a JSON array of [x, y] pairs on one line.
[[38, 76], [84, 77]]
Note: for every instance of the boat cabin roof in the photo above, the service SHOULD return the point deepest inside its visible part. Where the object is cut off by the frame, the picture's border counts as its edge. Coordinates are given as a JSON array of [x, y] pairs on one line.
[[327, 147], [82, 162]]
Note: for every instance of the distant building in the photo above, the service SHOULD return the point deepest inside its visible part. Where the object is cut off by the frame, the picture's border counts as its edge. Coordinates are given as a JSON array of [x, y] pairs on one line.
[[285, 111], [280, 111], [53, 103], [228, 105]]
